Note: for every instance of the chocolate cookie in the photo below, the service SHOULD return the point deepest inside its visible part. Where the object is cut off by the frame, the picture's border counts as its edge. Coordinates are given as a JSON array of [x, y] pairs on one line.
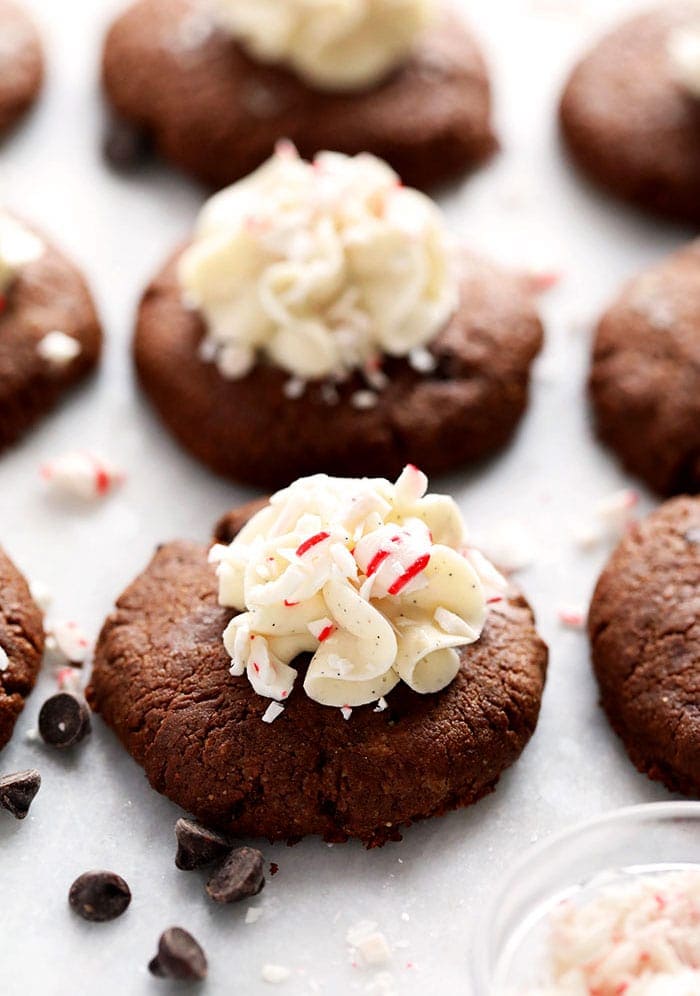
[[161, 681], [21, 645], [629, 124], [21, 63], [645, 375], [644, 627], [462, 411], [216, 113], [48, 295]]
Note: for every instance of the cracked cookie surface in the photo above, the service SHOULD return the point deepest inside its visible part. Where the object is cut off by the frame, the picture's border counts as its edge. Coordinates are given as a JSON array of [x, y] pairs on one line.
[[644, 627], [645, 374], [161, 681], [22, 640], [462, 412]]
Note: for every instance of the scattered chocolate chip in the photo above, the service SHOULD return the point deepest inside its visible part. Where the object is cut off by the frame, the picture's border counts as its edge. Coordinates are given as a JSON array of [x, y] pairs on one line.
[[241, 875], [197, 846], [179, 957], [64, 720], [274, 868], [125, 147], [99, 896], [18, 790]]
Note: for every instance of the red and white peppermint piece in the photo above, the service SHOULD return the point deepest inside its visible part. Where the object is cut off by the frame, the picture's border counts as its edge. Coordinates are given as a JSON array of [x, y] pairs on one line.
[[572, 617], [82, 474], [321, 629], [346, 711], [272, 712], [618, 510], [69, 679], [67, 642]]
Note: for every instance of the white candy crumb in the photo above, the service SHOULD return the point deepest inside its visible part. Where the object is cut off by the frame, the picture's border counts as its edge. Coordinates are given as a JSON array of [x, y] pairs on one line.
[[364, 400], [4, 660], [32, 736], [58, 349], [509, 545], [294, 388], [67, 643], [253, 914], [381, 705], [617, 511], [346, 711], [41, 594], [82, 474], [422, 360], [272, 712], [208, 350], [275, 973], [405, 917], [588, 535], [571, 616], [369, 943]]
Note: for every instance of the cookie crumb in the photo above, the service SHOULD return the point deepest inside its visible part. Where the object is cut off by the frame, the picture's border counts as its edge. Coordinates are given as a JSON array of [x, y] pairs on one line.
[[275, 973], [274, 710]]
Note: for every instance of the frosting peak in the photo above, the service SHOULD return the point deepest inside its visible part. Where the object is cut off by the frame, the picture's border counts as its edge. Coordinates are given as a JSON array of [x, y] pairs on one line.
[[371, 578], [333, 44], [320, 268]]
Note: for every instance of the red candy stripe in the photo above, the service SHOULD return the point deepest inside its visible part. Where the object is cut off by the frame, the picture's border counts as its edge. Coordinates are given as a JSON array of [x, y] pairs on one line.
[[376, 561], [408, 575], [311, 542], [326, 632]]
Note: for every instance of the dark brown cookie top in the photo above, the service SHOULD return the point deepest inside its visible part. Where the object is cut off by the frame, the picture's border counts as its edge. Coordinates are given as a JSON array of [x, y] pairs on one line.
[[217, 114], [644, 627], [645, 374], [22, 640], [248, 429], [21, 63], [49, 294], [627, 121], [161, 681]]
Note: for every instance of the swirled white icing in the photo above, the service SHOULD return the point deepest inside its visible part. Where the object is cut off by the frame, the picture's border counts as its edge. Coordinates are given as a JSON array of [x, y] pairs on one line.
[[332, 44], [318, 268], [684, 52], [18, 246], [373, 579]]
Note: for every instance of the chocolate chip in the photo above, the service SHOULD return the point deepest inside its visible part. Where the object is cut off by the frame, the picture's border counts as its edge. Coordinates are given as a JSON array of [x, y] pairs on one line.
[[241, 875], [125, 147], [99, 896], [18, 790], [64, 720], [197, 846], [179, 957]]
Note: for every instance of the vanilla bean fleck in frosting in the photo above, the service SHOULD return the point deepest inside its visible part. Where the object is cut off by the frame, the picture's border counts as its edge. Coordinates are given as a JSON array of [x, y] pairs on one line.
[[318, 268], [374, 579], [18, 246], [684, 52], [332, 44]]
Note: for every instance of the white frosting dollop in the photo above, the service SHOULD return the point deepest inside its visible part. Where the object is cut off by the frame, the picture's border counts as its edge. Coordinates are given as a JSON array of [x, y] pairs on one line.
[[640, 939], [684, 53], [319, 268], [372, 578], [332, 44], [18, 246]]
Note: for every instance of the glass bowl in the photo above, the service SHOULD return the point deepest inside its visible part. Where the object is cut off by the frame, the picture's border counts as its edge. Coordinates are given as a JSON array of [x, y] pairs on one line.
[[509, 942]]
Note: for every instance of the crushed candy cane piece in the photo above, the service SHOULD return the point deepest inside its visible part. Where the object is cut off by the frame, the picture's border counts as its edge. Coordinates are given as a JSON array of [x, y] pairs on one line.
[[346, 711], [67, 642], [82, 474], [364, 400], [69, 679], [272, 712], [58, 349], [381, 705], [572, 617], [369, 943], [253, 914], [321, 629], [617, 511], [422, 360], [294, 388], [540, 280], [382, 985], [275, 973], [4, 660]]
